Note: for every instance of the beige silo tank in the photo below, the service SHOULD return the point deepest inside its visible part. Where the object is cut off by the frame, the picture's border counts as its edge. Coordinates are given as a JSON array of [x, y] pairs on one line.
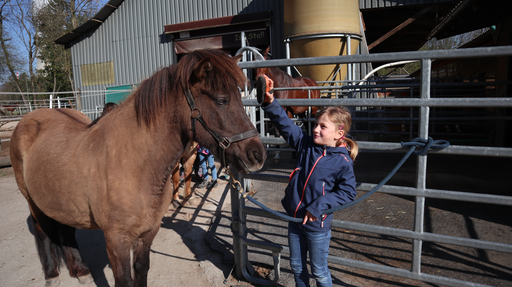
[[316, 29]]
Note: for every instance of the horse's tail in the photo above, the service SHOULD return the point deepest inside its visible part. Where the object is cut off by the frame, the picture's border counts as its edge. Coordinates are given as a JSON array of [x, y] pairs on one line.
[[48, 244]]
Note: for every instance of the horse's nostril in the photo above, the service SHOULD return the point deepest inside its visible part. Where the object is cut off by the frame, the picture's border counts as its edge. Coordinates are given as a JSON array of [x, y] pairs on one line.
[[254, 156], [257, 156]]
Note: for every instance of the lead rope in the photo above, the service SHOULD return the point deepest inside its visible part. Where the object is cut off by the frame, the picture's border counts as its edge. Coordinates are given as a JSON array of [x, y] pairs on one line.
[[426, 144]]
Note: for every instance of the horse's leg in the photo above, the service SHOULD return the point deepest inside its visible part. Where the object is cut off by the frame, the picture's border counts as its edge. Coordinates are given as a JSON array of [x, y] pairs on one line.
[[118, 250], [175, 177], [47, 243], [141, 248], [74, 261], [188, 165]]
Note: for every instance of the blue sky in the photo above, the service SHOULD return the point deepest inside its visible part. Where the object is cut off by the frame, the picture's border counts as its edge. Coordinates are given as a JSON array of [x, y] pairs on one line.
[[20, 48]]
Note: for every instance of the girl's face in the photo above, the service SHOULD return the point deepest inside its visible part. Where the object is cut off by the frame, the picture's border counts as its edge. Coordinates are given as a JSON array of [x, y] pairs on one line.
[[326, 132]]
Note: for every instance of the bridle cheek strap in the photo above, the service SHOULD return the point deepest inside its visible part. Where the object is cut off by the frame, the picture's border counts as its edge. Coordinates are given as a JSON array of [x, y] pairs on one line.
[[224, 142]]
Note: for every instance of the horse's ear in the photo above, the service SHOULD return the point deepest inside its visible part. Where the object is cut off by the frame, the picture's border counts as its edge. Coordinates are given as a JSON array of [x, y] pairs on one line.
[[237, 58], [203, 68], [266, 51]]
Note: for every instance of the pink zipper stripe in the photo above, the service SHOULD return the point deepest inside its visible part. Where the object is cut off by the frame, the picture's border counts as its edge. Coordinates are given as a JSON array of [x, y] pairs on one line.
[[305, 184]]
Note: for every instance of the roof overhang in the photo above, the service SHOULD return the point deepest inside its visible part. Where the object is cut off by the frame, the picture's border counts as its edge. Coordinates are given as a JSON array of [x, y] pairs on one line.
[[221, 33], [91, 24], [219, 25]]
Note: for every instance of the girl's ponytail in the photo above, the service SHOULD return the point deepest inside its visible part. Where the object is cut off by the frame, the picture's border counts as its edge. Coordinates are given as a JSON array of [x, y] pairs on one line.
[[352, 147]]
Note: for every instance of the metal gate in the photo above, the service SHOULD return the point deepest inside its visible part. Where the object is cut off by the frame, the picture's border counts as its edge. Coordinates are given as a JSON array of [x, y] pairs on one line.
[[424, 103]]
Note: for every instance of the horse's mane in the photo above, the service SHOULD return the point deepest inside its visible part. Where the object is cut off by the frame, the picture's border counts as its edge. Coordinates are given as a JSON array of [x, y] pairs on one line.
[[155, 93]]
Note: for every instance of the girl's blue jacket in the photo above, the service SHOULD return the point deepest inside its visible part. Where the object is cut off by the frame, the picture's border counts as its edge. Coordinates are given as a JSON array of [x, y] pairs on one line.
[[323, 178]]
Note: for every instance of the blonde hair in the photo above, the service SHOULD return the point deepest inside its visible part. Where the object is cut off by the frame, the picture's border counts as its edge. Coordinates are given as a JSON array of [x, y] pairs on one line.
[[342, 118]]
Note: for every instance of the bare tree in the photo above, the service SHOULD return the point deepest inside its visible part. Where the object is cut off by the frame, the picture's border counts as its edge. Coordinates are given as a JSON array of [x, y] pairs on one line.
[[54, 19], [26, 30], [11, 59]]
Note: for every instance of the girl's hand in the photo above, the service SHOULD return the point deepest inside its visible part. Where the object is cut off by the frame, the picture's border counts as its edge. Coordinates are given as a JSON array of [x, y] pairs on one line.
[[309, 217], [264, 90], [269, 94]]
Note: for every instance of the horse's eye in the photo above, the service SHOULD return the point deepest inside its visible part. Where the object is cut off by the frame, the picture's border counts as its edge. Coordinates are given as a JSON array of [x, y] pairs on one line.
[[221, 101]]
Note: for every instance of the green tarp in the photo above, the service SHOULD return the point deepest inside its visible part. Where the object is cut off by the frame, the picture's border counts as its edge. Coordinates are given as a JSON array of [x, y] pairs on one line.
[[117, 94]]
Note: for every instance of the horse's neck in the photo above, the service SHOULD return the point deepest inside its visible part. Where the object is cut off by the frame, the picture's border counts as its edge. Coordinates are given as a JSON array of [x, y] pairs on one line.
[[159, 139], [280, 78]]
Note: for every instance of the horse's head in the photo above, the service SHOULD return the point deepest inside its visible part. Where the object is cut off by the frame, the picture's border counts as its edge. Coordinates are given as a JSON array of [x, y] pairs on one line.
[[265, 70], [213, 80]]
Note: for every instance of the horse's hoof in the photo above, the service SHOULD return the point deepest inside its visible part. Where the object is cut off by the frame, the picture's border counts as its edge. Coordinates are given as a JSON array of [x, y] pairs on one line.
[[87, 279], [52, 282], [176, 204]]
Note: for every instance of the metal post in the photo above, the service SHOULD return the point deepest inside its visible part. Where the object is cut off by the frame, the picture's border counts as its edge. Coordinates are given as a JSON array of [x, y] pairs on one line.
[[287, 44], [236, 212], [78, 100], [239, 228], [244, 57], [426, 66], [349, 65]]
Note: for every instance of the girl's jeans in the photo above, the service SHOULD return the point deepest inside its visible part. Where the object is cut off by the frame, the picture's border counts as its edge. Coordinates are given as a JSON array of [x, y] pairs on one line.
[[203, 159], [317, 243]]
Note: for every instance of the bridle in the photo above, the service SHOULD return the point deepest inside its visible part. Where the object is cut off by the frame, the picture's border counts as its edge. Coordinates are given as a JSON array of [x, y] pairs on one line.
[[224, 142]]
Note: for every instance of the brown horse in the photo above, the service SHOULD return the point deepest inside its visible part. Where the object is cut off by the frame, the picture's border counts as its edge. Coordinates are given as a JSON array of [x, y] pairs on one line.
[[114, 175], [283, 80]]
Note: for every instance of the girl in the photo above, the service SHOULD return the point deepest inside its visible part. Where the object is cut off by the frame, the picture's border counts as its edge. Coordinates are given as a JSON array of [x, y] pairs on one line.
[[323, 179], [206, 158]]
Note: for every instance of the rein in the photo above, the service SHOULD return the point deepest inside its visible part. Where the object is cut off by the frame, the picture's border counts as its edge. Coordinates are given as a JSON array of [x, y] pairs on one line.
[[224, 142]]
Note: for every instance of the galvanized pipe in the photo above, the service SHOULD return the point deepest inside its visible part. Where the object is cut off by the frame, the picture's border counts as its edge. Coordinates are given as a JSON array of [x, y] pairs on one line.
[[501, 51]]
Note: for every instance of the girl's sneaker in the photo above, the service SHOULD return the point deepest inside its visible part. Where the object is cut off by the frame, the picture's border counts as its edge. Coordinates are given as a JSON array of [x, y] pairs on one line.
[[204, 183], [212, 184]]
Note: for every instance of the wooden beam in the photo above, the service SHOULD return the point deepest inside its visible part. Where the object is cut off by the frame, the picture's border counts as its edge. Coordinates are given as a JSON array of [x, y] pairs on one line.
[[399, 27]]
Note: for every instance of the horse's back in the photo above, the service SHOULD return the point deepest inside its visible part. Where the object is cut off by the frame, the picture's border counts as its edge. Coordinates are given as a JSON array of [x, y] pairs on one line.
[[45, 123]]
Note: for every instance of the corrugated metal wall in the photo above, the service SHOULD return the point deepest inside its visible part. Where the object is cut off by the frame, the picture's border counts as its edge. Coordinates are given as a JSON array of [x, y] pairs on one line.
[[374, 4], [132, 38]]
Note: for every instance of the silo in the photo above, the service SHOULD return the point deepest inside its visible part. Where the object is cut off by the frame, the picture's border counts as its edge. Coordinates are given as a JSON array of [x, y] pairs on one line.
[[322, 28]]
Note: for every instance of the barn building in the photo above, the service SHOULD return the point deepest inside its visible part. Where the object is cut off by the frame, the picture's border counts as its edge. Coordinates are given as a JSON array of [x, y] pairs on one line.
[[127, 41]]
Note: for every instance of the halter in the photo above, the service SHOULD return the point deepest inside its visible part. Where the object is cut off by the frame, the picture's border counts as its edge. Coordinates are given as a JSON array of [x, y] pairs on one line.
[[224, 142]]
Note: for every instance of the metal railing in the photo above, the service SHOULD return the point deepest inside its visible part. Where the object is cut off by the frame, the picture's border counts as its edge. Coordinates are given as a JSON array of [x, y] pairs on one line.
[[21, 104], [423, 103]]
